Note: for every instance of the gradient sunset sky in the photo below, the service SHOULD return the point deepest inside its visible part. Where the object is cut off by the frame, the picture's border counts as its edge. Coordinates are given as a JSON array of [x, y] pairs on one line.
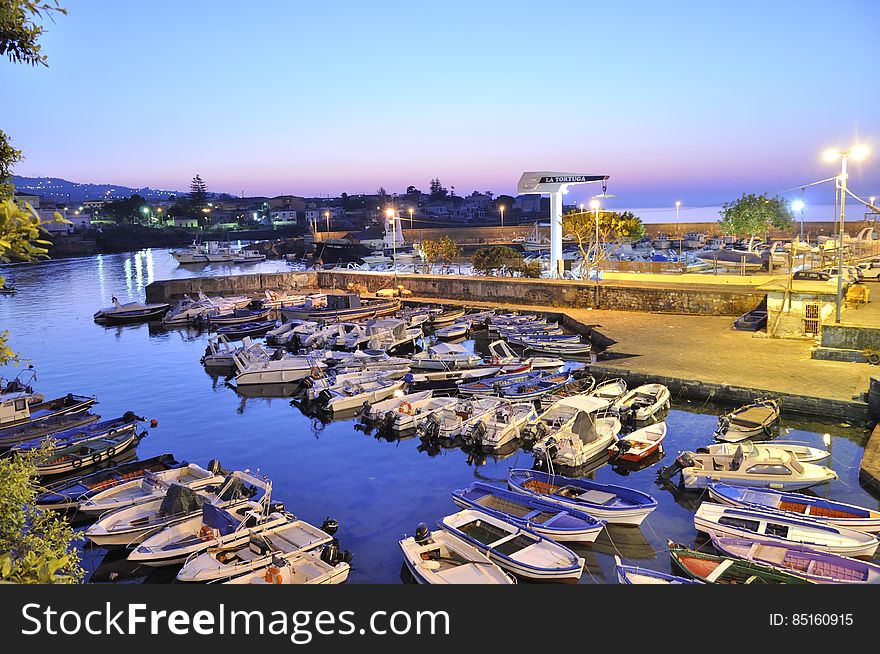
[[693, 100]]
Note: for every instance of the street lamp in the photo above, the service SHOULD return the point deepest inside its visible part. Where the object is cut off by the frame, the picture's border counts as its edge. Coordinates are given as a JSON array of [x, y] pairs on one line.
[[798, 205], [594, 205], [389, 213], [501, 209], [410, 219], [327, 216], [678, 229], [857, 153]]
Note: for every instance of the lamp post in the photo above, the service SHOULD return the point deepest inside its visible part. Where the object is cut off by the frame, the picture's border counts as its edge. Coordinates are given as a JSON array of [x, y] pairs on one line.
[[410, 220], [327, 217], [501, 209], [857, 153], [798, 205], [680, 235], [594, 205], [389, 213]]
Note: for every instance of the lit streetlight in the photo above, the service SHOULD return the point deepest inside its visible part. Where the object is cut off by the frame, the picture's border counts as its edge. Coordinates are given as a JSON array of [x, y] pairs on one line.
[[856, 153], [327, 216], [594, 205], [389, 213], [680, 235], [798, 206], [501, 209], [410, 219]]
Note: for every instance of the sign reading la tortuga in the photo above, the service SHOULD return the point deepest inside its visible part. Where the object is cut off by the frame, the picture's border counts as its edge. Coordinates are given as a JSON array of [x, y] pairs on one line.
[[570, 179]]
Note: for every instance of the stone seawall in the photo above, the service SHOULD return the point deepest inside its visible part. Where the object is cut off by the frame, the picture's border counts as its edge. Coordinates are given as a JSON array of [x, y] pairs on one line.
[[173, 289], [656, 298]]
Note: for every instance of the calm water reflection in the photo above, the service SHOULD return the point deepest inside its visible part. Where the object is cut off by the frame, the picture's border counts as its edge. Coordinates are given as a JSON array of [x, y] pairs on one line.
[[377, 489]]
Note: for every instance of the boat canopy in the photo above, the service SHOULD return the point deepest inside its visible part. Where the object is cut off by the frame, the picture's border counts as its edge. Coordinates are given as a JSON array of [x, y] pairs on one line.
[[219, 519], [180, 499]]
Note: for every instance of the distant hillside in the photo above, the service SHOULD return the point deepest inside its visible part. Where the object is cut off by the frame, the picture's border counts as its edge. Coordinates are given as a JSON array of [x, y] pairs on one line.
[[63, 190]]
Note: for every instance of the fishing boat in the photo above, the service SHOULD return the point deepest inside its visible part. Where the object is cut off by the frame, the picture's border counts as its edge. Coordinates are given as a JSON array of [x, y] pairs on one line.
[[545, 383], [639, 444], [536, 242], [22, 420], [752, 321], [247, 256], [519, 551], [818, 567], [501, 354], [453, 420], [365, 359], [780, 528], [496, 384], [130, 312], [816, 508], [309, 567], [749, 468], [611, 390], [634, 574], [502, 427], [453, 331], [351, 395], [545, 518], [213, 527], [256, 328], [131, 525], [447, 316], [553, 344], [643, 403], [754, 419], [579, 442], [714, 569], [608, 502], [345, 306], [69, 493], [195, 253], [385, 334], [8, 289], [439, 558], [280, 542], [71, 450], [802, 452], [406, 404], [151, 485], [257, 368], [238, 317], [449, 379]]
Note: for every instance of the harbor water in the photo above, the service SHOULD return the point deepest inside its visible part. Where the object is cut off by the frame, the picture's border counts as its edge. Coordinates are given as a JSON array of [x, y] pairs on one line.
[[379, 489]]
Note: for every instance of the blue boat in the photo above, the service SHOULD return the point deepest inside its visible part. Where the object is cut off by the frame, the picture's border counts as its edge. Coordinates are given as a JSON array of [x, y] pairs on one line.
[[816, 508], [608, 502], [538, 386], [634, 574], [255, 328], [543, 517], [497, 383], [84, 433]]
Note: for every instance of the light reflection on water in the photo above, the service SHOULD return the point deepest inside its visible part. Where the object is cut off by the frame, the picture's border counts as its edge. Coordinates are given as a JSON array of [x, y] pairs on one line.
[[377, 489]]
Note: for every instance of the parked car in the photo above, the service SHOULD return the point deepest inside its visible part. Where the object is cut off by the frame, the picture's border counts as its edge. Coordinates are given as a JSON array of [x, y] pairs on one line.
[[870, 270], [812, 275], [851, 274]]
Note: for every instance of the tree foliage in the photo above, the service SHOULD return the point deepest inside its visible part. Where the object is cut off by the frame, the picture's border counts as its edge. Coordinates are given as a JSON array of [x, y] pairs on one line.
[[437, 190], [614, 229], [753, 214], [126, 210], [19, 31], [444, 251], [9, 156], [503, 260]]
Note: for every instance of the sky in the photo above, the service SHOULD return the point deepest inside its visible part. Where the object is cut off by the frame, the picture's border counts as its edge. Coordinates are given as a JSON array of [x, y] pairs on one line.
[[690, 101]]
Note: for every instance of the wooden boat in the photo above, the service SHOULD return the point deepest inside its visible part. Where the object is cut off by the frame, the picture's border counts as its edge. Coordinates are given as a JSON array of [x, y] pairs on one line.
[[265, 548], [68, 494], [752, 321], [8, 289], [754, 468], [256, 328], [44, 428], [780, 528], [816, 508], [611, 390], [21, 419], [310, 567], [149, 486], [544, 383], [643, 403], [579, 442], [453, 331], [608, 502], [496, 384], [754, 419], [131, 312], [345, 306], [440, 558], [84, 447], [800, 451], [446, 316], [714, 569], [449, 379], [639, 444], [131, 525], [545, 518], [519, 551], [818, 567], [633, 574], [502, 354], [552, 345]]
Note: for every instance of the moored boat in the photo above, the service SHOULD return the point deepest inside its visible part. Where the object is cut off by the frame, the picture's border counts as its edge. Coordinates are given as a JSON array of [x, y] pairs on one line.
[[640, 443], [714, 569], [440, 558], [633, 574], [754, 419], [801, 451], [256, 328], [131, 312], [643, 402]]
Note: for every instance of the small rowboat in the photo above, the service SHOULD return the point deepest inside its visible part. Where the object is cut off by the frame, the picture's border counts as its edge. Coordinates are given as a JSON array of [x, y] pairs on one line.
[[536, 387], [239, 316], [455, 330], [440, 558], [639, 444], [311, 567], [256, 328], [608, 502], [69, 493], [714, 569], [633, 574], [816, 508], [751, 420], [447, 316], [610, 390], [519, 551], [545, 518], [783, 529], [819, 567], [643, 403], [497, 383]]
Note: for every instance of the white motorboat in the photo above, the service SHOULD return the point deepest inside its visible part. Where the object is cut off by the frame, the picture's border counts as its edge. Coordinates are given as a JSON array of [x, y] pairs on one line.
[[365, 359], [256, 368], [247, 256], [406, 405], [502, 426], [133, 524], [456, 419], [221, 351], [150, 486], [502, 354], [288, 332], [130, 312], [326, 384], [264, 548], [753, 467], [563, 411], [307, 567], [352, 395], [188, 311], [445, 356], [195, 253], [440, 558], [721, 521], [579, 442], [611, 390], [643, 403], [378, 334], [516, 550], [754, 419], [407, 415], [802, 452]]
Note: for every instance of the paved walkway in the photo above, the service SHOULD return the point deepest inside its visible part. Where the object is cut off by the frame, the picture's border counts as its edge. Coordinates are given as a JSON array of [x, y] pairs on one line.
[[707, 348]]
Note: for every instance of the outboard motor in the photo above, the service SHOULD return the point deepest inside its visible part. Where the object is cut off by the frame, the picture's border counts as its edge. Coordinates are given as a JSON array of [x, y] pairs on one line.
[[330, 554], [423, 534], [330, 526], [215, 467], [475, 436], [276, 507], [364, 410], [325, 395], [277, 355], [683, 460], [388, 420]]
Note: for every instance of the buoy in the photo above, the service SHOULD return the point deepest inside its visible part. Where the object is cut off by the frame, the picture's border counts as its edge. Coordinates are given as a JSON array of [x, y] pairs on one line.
[[154, 423]]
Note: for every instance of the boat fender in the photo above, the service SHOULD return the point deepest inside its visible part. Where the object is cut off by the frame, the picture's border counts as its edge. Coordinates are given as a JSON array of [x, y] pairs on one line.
[[111, 451], [273, 575], [96, 457], [873, 358], [154, 423], [76, 463], [406, 408], [206, 533]]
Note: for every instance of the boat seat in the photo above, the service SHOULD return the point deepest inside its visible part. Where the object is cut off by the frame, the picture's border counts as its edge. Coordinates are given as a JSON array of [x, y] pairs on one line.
[[717, 572]]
